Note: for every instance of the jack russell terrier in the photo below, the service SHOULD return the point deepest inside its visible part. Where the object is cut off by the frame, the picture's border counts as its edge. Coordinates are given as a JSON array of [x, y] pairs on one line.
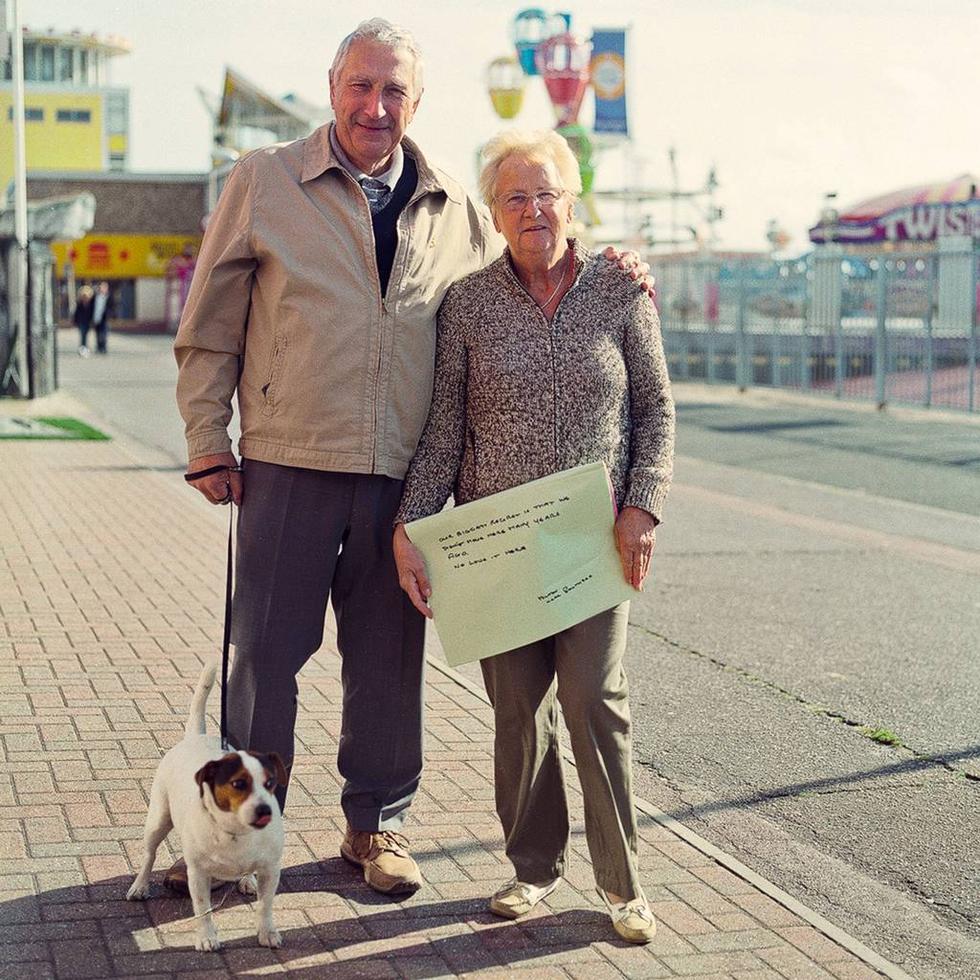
[[228, 820]]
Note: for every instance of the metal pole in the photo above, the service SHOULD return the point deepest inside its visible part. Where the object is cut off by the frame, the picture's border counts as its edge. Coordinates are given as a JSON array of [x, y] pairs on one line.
[[741, 342], [675, 187], [805, 347], [881, 337], [710, 325], [932, 268], [972, 347], [18, 285], [775, 352], [838, 327]]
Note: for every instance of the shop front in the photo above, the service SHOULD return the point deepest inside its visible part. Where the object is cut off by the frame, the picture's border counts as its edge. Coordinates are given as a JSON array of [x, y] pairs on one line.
[[139, 269], [146, 235]]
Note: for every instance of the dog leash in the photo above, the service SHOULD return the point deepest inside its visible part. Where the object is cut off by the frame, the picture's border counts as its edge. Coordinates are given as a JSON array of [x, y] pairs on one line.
[[229, 576], [230, 886], [226, 638]]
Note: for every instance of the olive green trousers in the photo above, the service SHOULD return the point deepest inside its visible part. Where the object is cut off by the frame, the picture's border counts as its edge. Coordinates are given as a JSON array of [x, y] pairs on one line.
[[581, 669]]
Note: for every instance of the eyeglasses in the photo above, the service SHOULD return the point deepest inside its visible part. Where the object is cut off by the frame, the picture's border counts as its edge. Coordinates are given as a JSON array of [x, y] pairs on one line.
[[544, 200]]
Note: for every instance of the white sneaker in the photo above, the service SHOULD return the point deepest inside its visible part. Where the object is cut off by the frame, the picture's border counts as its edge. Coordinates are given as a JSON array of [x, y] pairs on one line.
[[517, 898], [83, 352], [633, 920]]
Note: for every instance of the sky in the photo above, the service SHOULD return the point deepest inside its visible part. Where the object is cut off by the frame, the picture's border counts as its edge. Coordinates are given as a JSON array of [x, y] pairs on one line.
[[788, 99]]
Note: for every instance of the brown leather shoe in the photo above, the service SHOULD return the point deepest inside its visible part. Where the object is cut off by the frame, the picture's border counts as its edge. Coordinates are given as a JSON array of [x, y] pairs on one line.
[[176, 879], [383, 854]]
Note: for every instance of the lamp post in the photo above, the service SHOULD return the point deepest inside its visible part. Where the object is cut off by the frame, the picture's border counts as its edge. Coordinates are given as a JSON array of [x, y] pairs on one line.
[[18, 375]]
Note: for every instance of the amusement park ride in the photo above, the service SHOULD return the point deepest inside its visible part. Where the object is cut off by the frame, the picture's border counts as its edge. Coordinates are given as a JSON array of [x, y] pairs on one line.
[[546, 48]]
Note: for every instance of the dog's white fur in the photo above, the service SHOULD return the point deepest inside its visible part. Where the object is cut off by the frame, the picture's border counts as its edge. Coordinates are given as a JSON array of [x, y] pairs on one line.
[[217, 844]]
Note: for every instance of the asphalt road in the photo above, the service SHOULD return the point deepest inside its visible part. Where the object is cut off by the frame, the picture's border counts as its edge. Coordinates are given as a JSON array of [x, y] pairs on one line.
[[817, 578]]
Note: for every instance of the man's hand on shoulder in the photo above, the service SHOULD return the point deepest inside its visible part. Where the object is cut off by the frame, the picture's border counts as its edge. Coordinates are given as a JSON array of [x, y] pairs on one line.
[[631, 263], [222, 486]]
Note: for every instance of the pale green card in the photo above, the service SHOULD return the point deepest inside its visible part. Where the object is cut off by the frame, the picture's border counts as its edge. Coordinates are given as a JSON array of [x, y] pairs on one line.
[[523, 564]]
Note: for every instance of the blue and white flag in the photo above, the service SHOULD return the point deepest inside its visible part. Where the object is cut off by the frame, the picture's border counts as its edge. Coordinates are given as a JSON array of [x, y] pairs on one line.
[[609, 81]]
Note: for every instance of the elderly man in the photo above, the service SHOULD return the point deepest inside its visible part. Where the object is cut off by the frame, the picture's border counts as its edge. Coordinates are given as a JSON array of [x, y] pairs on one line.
[[315, 299]]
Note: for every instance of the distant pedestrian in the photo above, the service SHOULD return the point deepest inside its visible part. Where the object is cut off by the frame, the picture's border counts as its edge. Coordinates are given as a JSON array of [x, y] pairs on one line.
[[103, 308], [82, 318]]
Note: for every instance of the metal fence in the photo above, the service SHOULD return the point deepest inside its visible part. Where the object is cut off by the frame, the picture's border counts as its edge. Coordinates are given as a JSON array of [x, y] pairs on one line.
[[889, 328]]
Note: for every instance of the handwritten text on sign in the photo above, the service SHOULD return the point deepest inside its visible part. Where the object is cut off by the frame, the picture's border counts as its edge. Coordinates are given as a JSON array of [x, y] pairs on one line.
[[499, 566], [502, 530]]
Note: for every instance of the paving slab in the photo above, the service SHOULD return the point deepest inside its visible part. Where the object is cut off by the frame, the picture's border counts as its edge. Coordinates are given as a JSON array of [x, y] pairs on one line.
[[111, 592]]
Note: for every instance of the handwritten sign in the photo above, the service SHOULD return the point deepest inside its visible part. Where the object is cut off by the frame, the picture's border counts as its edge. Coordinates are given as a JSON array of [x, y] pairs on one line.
[[521, 565]]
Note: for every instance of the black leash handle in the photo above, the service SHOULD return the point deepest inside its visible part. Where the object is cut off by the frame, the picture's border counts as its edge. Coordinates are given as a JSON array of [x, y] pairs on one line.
[[226, 641], [200, 474]]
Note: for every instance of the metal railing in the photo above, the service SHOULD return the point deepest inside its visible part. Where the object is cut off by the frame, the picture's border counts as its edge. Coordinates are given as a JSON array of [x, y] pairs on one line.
[[889, 328]]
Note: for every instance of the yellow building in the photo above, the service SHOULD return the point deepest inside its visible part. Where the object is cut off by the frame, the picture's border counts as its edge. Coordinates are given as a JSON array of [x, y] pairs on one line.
[[75, 120], [147, 226]]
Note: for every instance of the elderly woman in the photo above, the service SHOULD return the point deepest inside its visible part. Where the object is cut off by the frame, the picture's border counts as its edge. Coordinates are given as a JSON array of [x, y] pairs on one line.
[[82, 318], [546, 359]]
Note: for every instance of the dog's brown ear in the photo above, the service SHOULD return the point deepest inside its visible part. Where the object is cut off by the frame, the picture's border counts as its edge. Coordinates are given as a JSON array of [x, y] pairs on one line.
[[206, 775], [273, 763]]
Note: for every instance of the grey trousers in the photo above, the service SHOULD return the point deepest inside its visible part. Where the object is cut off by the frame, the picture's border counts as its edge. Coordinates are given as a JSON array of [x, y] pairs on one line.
[[587, 662], [304, 536]]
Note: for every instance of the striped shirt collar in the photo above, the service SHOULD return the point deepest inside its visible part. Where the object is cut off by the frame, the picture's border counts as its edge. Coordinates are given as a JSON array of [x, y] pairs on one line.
[[390, 177]]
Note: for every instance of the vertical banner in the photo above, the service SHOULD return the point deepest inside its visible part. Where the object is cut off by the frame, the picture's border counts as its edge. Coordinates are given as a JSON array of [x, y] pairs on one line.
[[609, 81]]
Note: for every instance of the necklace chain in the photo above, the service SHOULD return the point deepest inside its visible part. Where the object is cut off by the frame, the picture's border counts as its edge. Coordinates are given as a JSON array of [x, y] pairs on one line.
[[547, 302]]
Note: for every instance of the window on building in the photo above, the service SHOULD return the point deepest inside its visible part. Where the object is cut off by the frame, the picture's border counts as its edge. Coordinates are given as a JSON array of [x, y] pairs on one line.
[[66, 64], [74, 115], [117, 112], [47, 62], [83, 67], [31, 68], [31, 114]]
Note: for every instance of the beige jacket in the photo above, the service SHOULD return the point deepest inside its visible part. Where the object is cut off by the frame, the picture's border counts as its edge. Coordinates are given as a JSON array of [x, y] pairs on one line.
[[286, 308]]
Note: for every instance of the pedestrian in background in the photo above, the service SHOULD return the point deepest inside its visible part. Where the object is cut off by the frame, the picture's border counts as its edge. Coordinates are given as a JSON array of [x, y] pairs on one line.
[[82, 318], [103, 308]]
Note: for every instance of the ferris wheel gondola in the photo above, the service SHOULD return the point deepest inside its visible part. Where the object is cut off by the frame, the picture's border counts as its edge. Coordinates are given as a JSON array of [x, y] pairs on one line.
[[505, 83], [531, 27], [563, 63]]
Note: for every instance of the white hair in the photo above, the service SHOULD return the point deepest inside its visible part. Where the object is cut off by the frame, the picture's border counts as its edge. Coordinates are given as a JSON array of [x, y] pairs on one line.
[[383, 32], [531, 144]]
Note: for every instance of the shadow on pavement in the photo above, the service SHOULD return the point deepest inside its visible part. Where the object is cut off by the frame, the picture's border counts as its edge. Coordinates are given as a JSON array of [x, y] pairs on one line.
[[943, 760], [92, 931]]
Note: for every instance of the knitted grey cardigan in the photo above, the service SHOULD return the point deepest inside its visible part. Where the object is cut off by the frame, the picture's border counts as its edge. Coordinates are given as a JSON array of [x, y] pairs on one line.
[[517, 398]]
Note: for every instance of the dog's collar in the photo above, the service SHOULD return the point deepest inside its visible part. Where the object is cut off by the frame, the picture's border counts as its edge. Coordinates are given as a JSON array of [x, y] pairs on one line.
[[218, 827]]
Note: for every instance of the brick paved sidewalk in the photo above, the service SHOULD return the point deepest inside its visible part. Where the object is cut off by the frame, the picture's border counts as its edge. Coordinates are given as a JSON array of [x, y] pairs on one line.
[[111, 583]]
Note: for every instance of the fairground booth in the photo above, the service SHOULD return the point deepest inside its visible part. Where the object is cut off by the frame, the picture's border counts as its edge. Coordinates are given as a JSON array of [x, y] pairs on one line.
[[906, 264], [882, 308]]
